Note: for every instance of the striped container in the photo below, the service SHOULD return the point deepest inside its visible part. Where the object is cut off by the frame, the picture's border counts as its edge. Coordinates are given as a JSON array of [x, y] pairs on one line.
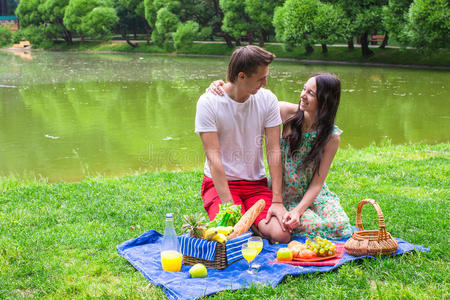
[[212, 254]]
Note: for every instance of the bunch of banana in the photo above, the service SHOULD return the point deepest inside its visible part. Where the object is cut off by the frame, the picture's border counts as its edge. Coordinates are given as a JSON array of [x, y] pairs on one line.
[[218, 234]]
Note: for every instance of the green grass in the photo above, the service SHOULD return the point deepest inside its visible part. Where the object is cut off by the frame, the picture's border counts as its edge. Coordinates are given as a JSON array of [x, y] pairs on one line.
[[387, 56], [59, 240]]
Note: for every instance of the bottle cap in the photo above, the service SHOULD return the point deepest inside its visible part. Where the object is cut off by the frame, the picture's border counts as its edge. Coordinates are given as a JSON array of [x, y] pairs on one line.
[[169, 216]]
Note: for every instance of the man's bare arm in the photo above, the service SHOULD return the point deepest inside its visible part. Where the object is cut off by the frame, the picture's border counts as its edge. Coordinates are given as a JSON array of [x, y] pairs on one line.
[[274, 160], [277, 208], [211, 146]]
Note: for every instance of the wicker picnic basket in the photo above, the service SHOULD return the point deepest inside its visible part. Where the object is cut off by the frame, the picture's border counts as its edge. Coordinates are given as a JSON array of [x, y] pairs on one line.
[[370, 242], [224, 254], [219, 262]]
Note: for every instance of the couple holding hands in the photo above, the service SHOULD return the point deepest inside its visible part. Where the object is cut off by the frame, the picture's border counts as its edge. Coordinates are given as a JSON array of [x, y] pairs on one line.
[[233, 119]]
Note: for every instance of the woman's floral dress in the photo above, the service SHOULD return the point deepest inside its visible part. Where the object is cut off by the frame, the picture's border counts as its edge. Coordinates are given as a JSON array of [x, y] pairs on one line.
[[325, 217]]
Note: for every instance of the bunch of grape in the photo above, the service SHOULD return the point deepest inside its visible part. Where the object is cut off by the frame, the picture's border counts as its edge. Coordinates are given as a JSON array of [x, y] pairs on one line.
[[321, 247]]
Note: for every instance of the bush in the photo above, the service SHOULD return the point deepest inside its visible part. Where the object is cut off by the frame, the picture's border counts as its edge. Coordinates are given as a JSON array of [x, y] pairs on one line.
[[18, 36], [36, 35], [5, 36], [428, 24], [205, 34], [185, 35]]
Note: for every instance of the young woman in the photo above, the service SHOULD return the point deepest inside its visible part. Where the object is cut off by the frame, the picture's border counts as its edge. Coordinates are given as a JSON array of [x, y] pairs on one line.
[[309, 143]]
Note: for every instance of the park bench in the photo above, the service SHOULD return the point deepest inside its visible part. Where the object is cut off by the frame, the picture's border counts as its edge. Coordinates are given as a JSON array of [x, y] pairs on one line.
[[376, 38]]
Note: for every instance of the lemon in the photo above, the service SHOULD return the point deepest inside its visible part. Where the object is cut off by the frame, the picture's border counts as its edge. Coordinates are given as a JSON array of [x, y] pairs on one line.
[[198, 271]]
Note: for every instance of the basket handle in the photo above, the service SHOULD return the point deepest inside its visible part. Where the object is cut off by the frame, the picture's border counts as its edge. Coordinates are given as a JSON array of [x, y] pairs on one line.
[[382, 234]]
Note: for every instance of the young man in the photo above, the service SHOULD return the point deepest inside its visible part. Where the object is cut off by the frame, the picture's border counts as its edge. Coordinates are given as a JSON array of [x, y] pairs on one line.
[[232, 128]]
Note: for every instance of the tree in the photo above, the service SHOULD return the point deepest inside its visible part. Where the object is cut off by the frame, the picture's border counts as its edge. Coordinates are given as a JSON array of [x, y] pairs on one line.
[[28, 12], [131, 15], [261, 14], [47, 14], [5, 36], [428, 24], [368, 21], [236, 22], [212, 17], [395, 19], [294, 22], [75, 12], [330, 25], [140, 13], [151, 8], [185, 34], [99, 22], [166, 24], [53, 12], [365, 17]]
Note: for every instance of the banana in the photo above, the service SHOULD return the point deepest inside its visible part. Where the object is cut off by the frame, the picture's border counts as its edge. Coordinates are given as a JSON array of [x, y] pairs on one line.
[[224, 230], [210, 233], [220, 237], [230, 229]]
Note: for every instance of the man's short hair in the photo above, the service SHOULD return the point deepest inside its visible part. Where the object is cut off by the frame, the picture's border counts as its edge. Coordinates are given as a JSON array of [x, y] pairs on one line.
[[247, 59]]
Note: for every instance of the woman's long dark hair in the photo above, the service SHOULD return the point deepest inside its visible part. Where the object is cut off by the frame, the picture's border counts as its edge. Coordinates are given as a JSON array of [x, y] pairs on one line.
[[328, 95]]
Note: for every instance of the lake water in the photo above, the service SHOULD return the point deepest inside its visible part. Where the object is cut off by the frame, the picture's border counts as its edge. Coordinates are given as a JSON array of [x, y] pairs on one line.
[[67, 115]]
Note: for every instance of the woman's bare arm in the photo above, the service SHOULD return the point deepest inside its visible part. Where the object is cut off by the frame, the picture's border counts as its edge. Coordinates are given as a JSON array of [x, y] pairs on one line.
[[292, 218], [287, 110]]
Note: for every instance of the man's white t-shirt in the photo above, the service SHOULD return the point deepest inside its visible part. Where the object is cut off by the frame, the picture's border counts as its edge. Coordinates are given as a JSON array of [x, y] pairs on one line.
[[240, 128]]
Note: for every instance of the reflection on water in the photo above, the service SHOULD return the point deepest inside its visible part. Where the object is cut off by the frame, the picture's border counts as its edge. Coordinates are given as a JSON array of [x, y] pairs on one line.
[[66, 115], [24, 55]]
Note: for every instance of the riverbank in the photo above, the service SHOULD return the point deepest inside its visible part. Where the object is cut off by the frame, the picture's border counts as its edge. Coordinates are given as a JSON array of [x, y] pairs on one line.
[[382, 57], [59, 240]]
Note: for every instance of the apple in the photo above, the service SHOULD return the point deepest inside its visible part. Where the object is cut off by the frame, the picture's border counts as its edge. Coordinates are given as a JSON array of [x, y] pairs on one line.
[[284, 254], [198, 271]]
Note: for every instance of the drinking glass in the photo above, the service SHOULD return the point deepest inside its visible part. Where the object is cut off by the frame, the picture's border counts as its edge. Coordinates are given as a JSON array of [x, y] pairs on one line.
[[255, 242], [249, 254]]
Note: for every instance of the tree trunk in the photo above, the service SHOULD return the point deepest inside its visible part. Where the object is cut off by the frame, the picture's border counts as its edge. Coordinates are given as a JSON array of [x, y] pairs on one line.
[[365, 46], [385, 41], [309, 49], [67, 34], [228, 39], [148, 31], [238, 42], [350, 44], [261, 40], [250, 38], [324, 48], [67, 37], [125, 37], [82, 37]]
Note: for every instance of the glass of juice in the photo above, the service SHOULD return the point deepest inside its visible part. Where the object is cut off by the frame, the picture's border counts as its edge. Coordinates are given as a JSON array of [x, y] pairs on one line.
[[249, 254], [171, 260], [256, 243]]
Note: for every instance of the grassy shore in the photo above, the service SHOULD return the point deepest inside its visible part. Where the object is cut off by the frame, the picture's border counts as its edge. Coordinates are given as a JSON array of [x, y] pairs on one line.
[[59, 240], [397, 56]]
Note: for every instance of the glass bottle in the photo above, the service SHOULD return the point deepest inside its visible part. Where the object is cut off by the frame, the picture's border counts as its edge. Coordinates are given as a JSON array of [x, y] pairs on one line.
[[225, 218], [171, 258]]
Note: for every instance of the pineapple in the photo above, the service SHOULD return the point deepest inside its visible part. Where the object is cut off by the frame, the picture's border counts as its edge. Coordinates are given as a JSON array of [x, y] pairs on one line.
[[194, 225]]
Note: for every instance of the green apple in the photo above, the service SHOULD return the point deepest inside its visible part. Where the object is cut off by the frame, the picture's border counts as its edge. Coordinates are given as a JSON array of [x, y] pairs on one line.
[[198, 271], [284, 254]]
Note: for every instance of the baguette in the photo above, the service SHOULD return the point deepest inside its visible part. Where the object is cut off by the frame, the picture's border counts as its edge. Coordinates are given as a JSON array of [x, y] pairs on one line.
[[247, 219]]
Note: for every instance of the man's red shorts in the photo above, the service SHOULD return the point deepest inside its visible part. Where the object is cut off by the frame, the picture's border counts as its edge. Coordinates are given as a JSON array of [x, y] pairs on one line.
[[246, 193]]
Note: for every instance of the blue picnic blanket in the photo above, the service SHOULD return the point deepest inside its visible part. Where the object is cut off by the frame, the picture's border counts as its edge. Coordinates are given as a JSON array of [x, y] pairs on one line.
[[143, 253]]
